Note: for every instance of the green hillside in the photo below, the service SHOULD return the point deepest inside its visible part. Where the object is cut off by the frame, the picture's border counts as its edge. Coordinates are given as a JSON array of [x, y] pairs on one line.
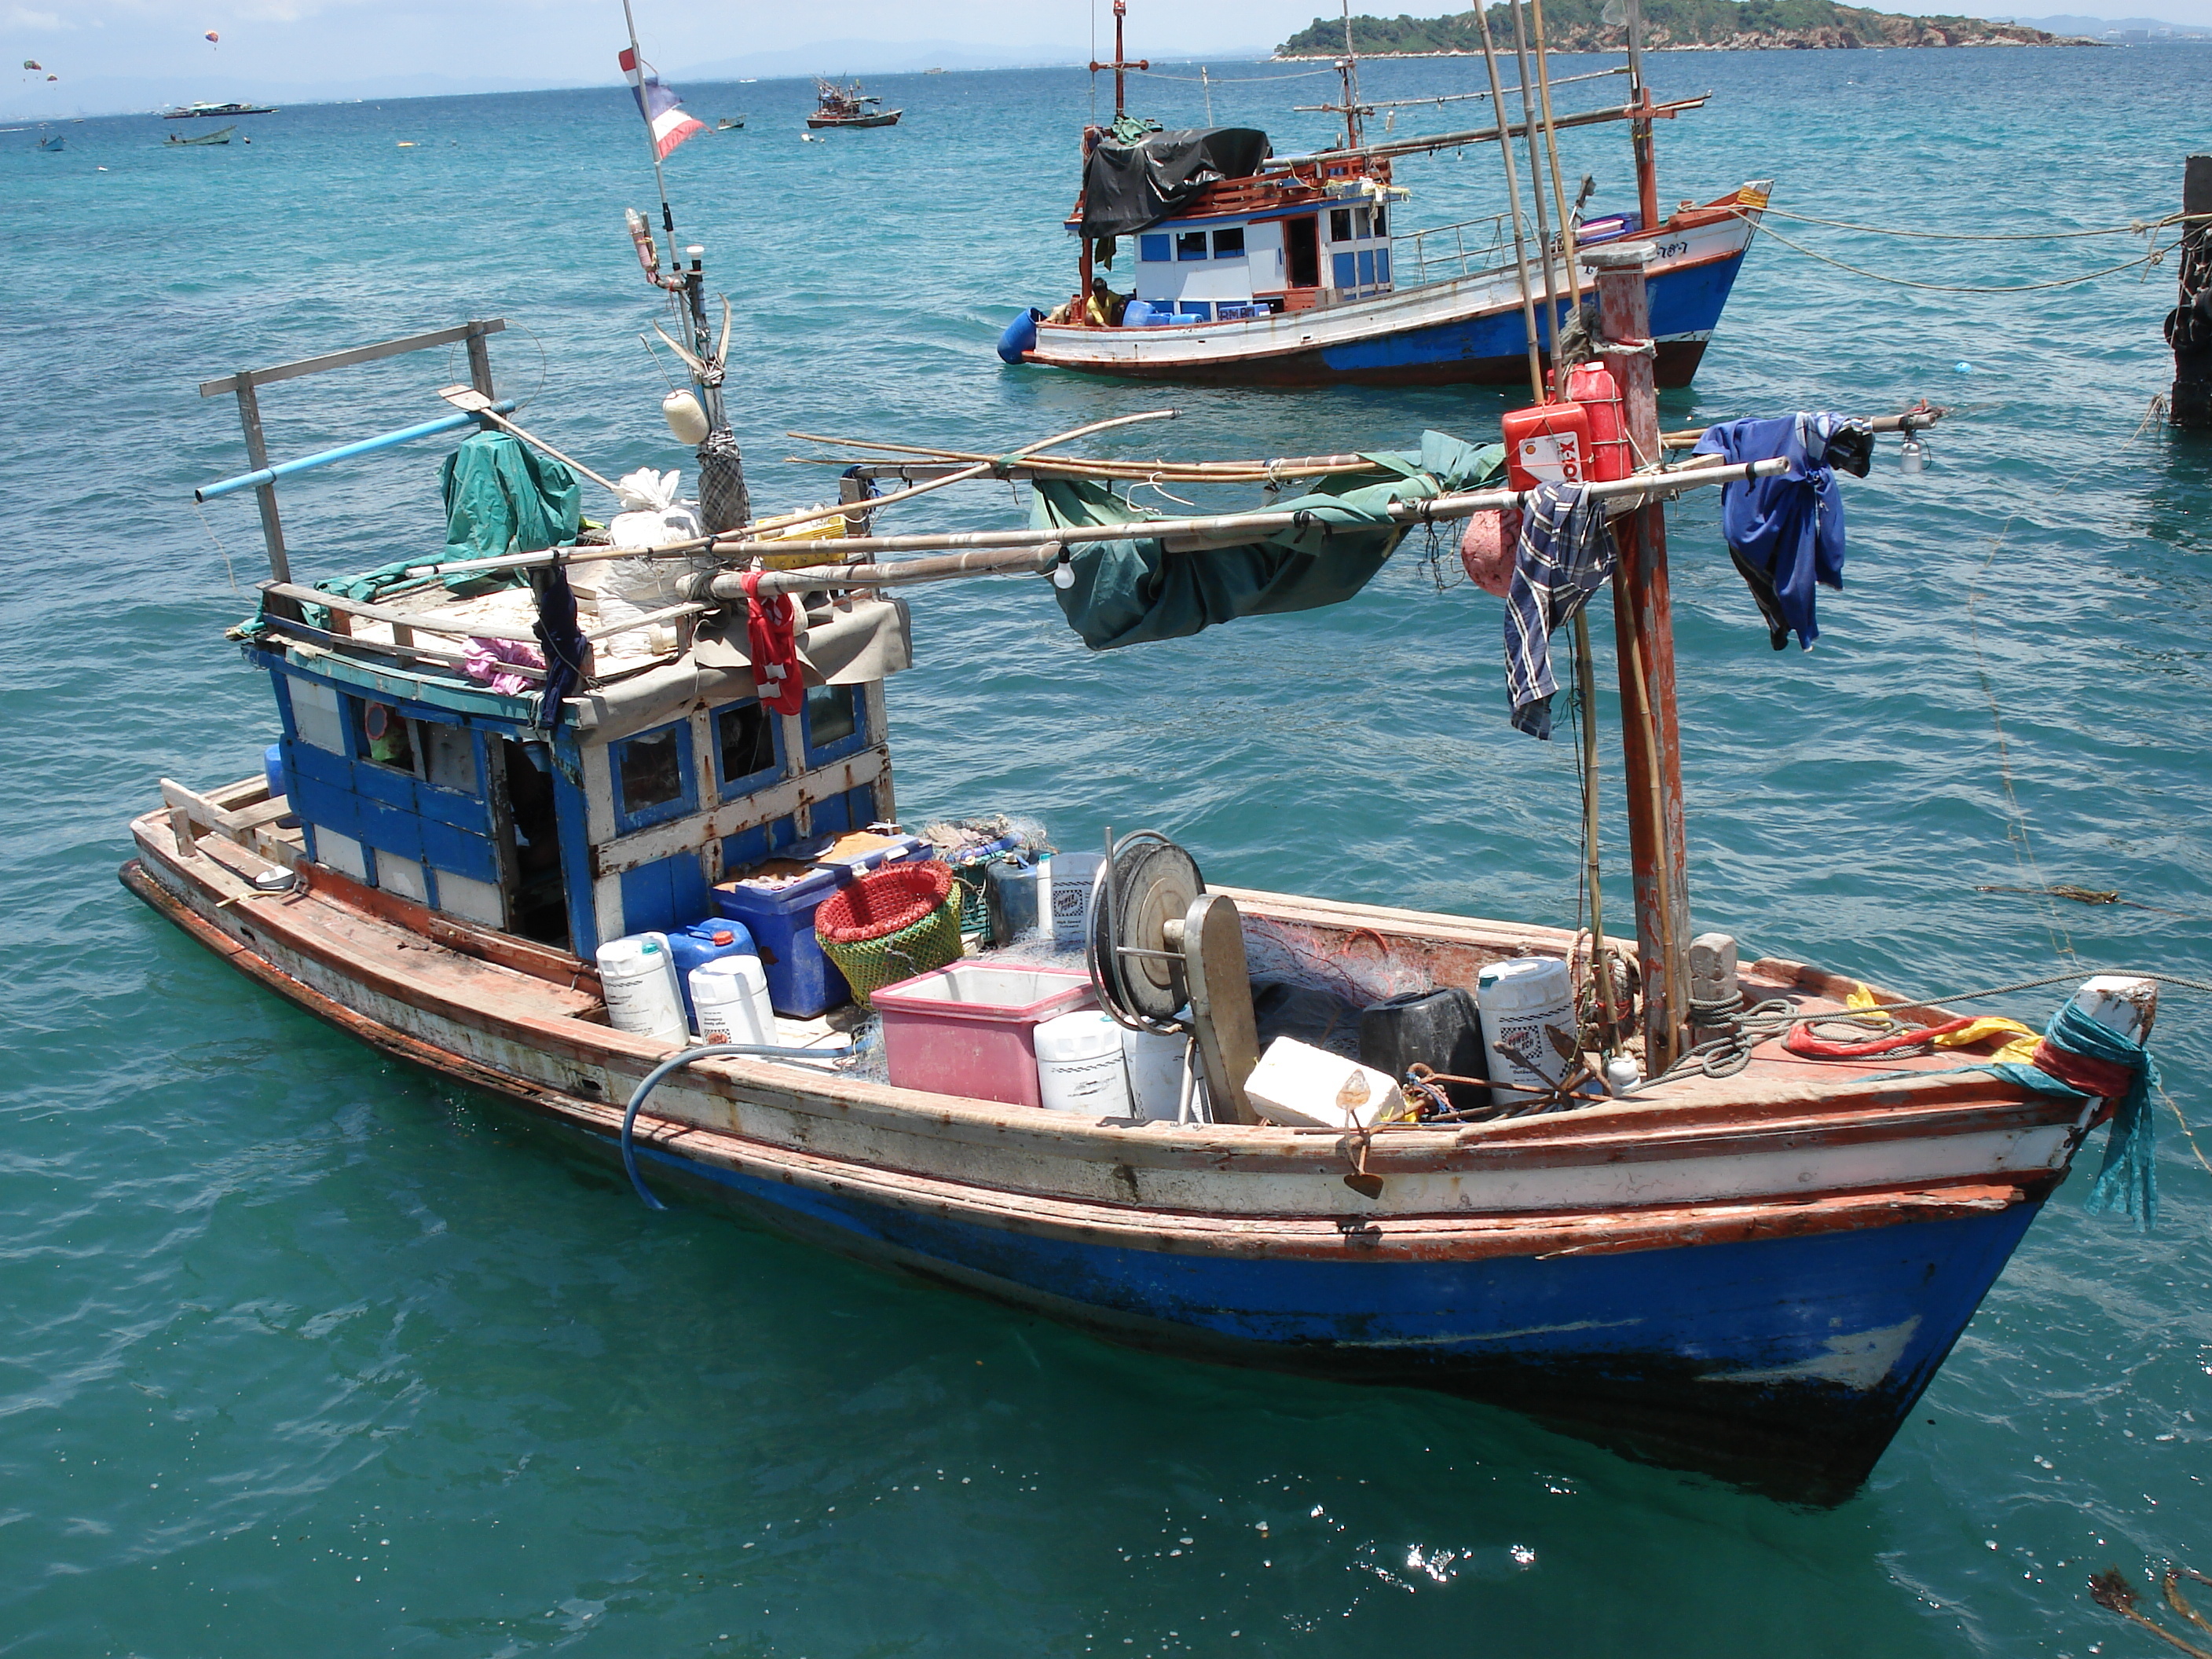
[[1579, 26]]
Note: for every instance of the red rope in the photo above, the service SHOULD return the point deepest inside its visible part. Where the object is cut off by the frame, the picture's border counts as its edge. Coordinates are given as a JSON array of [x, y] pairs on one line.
[[1801, 1041]]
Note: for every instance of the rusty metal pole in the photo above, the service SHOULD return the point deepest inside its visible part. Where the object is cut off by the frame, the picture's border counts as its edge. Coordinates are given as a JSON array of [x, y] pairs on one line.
[[1643, 628], [2189, 328]]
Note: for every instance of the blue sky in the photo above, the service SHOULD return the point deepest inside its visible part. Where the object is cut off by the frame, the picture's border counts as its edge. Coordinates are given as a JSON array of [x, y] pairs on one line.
[[157, 46]]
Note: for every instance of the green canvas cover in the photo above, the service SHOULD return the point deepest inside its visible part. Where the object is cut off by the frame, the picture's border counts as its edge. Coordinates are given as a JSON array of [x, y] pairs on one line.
[[503, 496], [1130, 593]]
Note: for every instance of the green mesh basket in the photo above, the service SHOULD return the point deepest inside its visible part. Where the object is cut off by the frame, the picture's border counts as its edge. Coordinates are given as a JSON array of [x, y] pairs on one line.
[[870, 964]]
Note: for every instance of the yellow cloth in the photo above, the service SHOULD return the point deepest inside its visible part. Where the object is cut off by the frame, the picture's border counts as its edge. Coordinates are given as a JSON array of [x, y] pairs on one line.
[[2020, 1049]]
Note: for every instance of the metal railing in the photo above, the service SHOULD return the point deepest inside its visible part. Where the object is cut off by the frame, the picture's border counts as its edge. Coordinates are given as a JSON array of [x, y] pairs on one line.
[[1462, 249]]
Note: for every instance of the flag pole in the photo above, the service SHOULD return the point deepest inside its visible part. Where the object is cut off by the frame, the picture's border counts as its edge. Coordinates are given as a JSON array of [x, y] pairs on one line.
[[667, 215]]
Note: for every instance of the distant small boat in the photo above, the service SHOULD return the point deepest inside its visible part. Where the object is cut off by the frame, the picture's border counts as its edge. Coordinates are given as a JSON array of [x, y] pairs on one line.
[[189, 111], [726, 125], [932, 71], [46, 140], [220, 136], [838, 106]]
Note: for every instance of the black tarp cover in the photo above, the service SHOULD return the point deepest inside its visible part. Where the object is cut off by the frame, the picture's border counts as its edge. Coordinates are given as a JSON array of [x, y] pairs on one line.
[[1127, 187]]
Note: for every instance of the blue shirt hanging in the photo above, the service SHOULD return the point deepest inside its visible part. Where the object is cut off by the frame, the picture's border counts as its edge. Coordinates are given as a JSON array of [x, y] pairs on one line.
[[1786, 532]]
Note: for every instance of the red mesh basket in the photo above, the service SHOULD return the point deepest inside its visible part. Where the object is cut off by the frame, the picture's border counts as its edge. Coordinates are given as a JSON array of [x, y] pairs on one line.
[[883, 901]]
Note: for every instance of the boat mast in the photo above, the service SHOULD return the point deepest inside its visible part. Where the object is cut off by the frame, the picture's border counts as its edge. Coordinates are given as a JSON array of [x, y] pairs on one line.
[[1348, 68], [1639, 130], [724, 501], [1080, 311]]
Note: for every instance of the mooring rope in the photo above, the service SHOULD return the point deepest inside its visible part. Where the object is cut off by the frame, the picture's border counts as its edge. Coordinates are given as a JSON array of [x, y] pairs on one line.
[[2153, 257], [2137, 227]]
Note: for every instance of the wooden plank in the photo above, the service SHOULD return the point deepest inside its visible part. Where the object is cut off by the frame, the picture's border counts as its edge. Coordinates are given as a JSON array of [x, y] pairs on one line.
[[272, 528], [248, 379], [1221, 1004], [1643, 616], [180, 802], [793, 795], [351, 646]]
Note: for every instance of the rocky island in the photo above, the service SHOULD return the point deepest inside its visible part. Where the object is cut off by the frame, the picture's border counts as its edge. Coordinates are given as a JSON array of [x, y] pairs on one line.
[[1675, 24]]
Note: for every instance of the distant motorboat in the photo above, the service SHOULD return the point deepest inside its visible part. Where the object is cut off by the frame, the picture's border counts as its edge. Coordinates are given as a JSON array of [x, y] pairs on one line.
[[726, 125], [189, 111], [220, 136], [46, 140]]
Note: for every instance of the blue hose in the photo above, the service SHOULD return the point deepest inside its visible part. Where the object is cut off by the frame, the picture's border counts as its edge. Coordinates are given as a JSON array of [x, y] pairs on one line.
[[711, 1051]]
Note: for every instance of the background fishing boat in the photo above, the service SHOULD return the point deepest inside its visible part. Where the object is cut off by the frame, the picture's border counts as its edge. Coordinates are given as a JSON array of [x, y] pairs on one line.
[[844, 105], [1252, 269], [220, 136]]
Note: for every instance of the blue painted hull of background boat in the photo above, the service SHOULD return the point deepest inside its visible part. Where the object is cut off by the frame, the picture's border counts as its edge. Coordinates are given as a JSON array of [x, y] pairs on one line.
[[1788, 1364]]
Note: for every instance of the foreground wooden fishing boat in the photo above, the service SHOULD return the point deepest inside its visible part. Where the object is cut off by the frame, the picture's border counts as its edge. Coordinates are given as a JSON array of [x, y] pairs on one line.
[[1750, 1256]]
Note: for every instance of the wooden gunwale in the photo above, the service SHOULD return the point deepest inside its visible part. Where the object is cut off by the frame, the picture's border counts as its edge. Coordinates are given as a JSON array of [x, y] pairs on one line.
[[1716, 1118], [1375, 1238]]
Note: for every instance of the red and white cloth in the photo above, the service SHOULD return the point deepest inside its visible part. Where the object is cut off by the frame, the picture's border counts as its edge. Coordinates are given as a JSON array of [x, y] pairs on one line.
[[770, 637], [662, 109]]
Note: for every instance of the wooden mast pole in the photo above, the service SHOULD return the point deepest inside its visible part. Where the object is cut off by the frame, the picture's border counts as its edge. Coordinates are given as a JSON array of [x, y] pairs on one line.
[[1121, 65], [1639, 131], [1643, 629]]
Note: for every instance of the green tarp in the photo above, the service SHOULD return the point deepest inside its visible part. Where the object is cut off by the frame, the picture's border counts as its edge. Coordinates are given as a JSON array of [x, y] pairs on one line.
[[1133, 592], [503, 496]]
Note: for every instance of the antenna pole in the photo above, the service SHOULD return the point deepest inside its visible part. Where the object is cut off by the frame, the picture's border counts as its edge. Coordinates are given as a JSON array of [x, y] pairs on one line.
[[1122, 63]]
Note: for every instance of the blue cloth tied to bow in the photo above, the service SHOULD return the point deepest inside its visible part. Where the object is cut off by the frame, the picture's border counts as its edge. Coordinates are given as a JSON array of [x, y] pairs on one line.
[[1785, 532]]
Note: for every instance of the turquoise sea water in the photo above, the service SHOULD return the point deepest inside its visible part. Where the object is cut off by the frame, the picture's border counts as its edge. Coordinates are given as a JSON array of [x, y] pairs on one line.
[[299, 1351]]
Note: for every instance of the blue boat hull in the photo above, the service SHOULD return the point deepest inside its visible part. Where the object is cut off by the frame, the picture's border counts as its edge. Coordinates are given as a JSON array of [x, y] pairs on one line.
[[1786, 1364], [1488, 349]]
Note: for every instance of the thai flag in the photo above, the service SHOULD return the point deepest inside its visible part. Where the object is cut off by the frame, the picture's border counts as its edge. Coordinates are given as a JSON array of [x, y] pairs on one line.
[[662, 109]]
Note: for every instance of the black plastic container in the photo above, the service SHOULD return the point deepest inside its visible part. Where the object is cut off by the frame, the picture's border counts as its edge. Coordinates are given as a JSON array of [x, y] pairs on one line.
[[1440, 1029]]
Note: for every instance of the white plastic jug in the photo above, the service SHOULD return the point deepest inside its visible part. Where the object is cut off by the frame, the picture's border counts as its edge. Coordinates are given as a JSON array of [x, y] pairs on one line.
[[1064, 882], [1080, 1065], [1525, 1003], [639, 977], [731, 996], [1155, 1063]]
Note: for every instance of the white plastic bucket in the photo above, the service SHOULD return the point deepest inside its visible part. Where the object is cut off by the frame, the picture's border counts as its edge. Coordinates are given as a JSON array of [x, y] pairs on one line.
[[1522, 1002], [1064, 882], [1155, 1063], [1080, 1065], [638, 975], [731, 996]]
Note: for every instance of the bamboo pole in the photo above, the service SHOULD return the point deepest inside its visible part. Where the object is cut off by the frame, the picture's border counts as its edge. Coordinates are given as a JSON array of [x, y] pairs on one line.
[[1241, 526], [1513, 197], [1536, 191], [816, 516]]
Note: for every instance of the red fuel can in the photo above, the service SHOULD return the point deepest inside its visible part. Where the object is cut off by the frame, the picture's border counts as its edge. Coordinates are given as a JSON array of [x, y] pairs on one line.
[[1548, 444], [1592, 386]]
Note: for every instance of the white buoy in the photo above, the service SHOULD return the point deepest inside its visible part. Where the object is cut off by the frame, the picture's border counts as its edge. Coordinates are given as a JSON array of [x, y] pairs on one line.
[[637, 976], [685, 418]]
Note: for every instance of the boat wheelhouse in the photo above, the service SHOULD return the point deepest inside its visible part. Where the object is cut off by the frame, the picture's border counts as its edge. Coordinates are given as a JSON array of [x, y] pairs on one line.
[[1253, 269]]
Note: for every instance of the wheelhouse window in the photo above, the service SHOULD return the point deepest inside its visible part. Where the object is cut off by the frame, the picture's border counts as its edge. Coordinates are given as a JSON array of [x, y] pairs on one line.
[[652, 775], [1382, 220], [1153, 250], [1190, 245], [1229, 244], [744, 741], [449, 757], [388, 737], [831, 715], [1340, 224]]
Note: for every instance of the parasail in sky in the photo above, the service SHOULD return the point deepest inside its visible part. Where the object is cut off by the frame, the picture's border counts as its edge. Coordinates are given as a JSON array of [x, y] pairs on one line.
[[33, 63], [212, 37]]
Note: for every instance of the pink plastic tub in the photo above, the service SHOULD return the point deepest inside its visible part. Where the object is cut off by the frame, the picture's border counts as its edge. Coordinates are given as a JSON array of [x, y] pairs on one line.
[[971, 1028]]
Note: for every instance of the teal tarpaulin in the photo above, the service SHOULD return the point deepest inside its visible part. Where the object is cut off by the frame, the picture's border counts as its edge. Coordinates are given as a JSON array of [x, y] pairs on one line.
[[503, 496], [1133, 592]]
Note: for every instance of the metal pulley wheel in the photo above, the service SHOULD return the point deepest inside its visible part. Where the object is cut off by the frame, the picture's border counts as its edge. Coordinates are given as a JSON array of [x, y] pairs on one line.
[[1134, 950]]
